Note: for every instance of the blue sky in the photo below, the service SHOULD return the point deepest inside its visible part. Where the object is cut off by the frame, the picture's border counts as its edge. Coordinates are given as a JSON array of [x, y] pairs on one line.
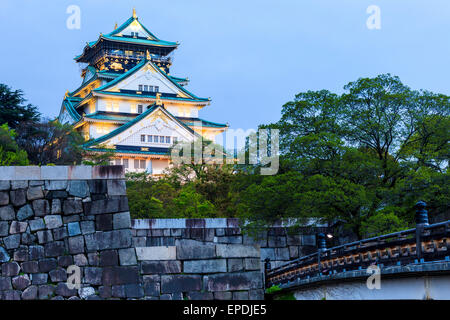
[[249, 56]]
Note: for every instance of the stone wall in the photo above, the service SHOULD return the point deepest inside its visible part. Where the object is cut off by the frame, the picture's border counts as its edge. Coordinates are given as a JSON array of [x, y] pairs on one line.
[[55, 218], [278, 244]]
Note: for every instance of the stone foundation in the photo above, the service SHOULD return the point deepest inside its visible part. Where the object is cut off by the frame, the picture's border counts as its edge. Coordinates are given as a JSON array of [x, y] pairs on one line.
[[54, 220]]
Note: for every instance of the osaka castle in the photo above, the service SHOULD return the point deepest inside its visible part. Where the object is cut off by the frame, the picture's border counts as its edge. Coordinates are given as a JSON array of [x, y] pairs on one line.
[[130, 103]]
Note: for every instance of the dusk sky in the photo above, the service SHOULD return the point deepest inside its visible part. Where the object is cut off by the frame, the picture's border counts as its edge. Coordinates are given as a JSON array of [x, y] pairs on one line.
[[249, 56]]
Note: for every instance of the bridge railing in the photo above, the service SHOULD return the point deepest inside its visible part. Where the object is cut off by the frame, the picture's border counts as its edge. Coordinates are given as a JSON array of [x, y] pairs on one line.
[[423, 243]]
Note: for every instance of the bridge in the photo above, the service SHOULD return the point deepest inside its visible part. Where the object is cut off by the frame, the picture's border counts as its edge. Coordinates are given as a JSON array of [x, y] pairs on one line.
[[410, 264]]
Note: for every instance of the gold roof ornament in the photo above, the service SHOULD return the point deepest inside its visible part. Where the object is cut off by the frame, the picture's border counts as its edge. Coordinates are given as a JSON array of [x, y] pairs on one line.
[[134, 13], [67, 94], [115, 26], [148, 55], [158, 99]]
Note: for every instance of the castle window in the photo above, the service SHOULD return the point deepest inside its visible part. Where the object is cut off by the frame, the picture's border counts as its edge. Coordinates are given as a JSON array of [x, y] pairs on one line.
[[140, 87], [167, 139], [156, 138], [142, 137], [140, 108], [161, 139], [125, 163], [142, 164], [145, 88], [136, 164], [150, 88], [156, 89], [117, 162], [149, 138]]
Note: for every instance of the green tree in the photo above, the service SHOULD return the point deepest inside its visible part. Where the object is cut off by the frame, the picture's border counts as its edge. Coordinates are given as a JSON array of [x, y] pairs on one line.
[[13, 108], [10, 154], [50, 142], [378, 145]]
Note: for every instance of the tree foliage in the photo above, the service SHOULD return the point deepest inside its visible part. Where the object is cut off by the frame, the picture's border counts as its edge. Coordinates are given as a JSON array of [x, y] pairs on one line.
[[13, 108]]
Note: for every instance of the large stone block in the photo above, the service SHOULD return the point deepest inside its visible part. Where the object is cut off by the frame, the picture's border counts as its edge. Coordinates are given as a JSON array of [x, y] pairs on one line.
[[191, 249], [58, 275], [104, 222], [122, 220], [76, 244], [205, 266], [156, 253], [97, 186], [72, 206], [4, 228], [10, 269], [53, 221], [102, 206], [87, 227], [28, 238], [237, 251], [63, 290], [21, 254], [54, 249], [39, 278], [277, 241], [160, 267], [4, 256], [60, 233], [41, 207], [36, 252], [44, 236], [5, 283], [4, 198], [4, 184], [36, 224], [18, 227], [134, 291], [25, 212], [116, 239], [54, 173], [18, 197], [30, 293], [30, 267], [234, 281], [56, 206], [120, 275], [152, 288], [116, 188], [180, 283], [34, 193], [109, 258], [127, 257], [7, 213], [47, 265], [73, 229], [93, 275], [45, 291], [252, 264], [235, 264], [12, 242], [78, 188]]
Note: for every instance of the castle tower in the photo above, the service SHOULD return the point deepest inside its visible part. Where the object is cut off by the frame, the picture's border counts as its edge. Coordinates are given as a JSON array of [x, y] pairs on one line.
[[129, 102]]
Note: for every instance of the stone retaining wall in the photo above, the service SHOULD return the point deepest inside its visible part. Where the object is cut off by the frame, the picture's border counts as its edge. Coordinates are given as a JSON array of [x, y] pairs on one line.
[[277, 243], [56, 219]]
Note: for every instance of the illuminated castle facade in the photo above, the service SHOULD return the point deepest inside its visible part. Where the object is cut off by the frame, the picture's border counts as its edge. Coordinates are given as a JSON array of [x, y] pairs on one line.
[[129, 102]]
